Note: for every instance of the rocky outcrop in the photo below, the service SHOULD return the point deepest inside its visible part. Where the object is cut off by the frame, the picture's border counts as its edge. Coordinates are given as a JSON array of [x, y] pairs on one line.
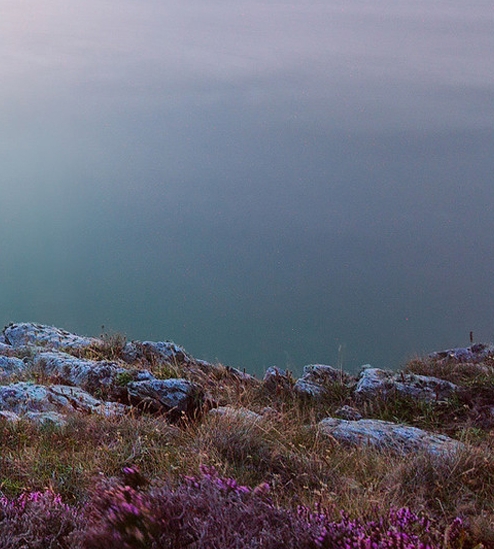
[[474, 353], [374, 382], [73, 384], [49, 337], [67, 383], [385, 435]]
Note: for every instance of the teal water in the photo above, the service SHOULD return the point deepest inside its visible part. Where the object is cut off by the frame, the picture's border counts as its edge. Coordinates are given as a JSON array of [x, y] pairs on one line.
[[263, 183]]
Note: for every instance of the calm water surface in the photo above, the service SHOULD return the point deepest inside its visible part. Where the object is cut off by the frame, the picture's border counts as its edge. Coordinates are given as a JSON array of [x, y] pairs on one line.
[[263, 182]]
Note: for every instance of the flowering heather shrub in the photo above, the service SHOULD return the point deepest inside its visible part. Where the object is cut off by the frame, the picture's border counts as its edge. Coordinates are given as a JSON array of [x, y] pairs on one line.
[[400, 528], [211, 512], [36, 520], [205, 512]]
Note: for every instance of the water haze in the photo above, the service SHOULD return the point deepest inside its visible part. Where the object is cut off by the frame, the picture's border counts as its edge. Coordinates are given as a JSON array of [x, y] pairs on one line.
[[264, 183]]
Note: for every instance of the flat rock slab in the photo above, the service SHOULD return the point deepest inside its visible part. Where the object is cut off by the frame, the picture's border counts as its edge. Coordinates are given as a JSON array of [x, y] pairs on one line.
[[28, 333], [386, 435], [22, 398], [41, 418], [374, 382], [93, 376], [236, 414]]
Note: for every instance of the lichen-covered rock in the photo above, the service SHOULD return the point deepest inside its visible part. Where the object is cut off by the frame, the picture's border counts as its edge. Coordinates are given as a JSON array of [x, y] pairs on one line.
[[175, 396], [323, 374], [309, 389], [25, 397], [40, 418], [94, 376], [317, 379], [474, 353], [22, 398], [276, 378], [161, 351], [385, 435], [47, 418], [78, 400], [49, 337], [10, 366], [374, 382]]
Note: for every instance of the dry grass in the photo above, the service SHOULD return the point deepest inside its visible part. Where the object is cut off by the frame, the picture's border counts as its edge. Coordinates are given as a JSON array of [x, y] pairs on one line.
[[283, 447]]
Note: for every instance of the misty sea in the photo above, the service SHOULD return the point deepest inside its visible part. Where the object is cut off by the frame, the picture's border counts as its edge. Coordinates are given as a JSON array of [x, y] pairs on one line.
[[263, 182]]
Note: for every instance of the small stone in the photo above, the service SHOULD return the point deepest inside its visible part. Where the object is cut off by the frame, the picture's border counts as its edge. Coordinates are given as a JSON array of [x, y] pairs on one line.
[[47, 418], [348, 412], [9, 416]]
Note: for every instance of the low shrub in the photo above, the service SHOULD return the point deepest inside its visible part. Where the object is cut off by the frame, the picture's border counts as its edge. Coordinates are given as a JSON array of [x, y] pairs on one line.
[[37, 520], [209, 511]]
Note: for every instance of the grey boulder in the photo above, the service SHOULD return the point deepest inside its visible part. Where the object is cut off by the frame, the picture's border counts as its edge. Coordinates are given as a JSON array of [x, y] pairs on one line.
[[173, 396], [155, 351], [317, 379], [374, 382], [386, 435]]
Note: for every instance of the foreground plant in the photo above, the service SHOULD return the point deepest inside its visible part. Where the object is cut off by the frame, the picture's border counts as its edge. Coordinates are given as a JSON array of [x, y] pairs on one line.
[[210, 511], [206, 512], [37, 520]]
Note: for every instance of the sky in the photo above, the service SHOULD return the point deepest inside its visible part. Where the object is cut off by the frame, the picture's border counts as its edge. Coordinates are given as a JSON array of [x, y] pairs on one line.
[[263, 182]]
